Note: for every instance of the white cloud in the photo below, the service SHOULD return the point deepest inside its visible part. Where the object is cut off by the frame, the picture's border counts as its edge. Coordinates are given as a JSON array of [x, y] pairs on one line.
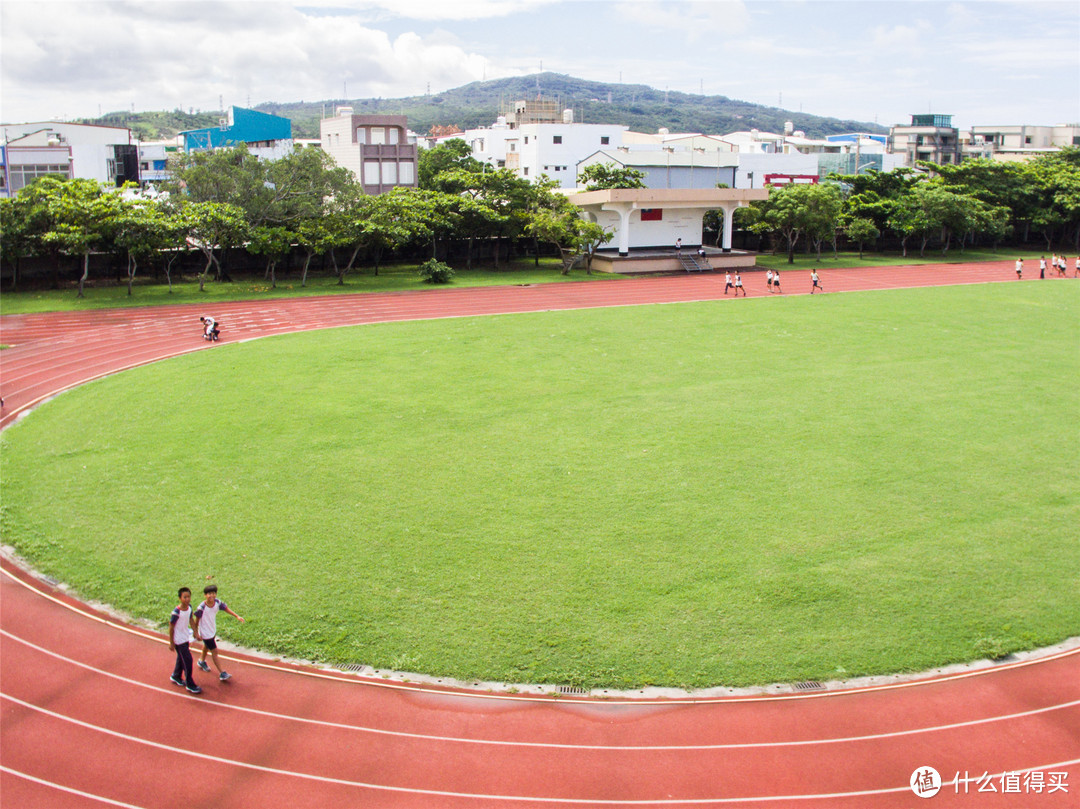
[[69, 58], [694, 19]]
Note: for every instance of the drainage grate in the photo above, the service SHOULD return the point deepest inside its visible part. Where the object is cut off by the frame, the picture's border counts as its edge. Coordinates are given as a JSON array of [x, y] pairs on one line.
[[573, 690], [807, 686], [357, 667]]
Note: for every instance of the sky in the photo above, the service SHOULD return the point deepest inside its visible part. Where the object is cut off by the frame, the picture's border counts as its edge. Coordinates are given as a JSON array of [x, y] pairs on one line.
[[986, 62]]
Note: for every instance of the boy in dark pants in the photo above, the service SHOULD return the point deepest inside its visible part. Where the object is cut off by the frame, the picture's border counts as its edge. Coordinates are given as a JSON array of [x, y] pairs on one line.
[[181, 625], [206, 632]]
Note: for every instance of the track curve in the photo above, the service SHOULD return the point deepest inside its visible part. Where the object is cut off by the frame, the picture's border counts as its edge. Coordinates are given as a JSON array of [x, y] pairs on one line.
[[88, 717]]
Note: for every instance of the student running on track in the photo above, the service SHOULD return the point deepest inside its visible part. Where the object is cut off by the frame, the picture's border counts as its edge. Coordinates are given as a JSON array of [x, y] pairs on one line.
[[816, 287]]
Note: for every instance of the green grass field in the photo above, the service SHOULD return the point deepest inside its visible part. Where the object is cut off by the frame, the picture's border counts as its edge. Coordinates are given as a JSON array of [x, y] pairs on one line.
[[685, 495]]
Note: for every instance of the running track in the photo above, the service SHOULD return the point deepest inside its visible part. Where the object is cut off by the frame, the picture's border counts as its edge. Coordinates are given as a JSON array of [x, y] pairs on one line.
[[89, 719]]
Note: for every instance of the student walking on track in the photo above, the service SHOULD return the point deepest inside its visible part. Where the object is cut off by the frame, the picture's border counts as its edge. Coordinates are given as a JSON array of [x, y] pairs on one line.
[[181, 625], [206, 630]]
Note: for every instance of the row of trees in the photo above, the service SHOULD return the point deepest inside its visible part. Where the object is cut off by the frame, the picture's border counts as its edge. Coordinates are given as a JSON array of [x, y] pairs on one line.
[[304, 204], [976, 201], [229, 199]]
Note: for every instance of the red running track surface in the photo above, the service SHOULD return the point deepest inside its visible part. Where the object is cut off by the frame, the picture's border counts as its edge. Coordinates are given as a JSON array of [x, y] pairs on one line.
[[88, 717]]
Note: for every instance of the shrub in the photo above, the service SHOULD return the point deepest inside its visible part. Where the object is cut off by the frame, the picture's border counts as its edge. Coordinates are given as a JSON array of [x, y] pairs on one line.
[[435, 272]]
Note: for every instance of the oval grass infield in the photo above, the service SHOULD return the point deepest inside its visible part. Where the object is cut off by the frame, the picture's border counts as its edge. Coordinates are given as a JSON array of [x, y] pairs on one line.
[[683, 495]]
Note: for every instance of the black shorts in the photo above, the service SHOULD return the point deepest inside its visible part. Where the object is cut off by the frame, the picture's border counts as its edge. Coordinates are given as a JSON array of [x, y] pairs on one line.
[[209, 643]]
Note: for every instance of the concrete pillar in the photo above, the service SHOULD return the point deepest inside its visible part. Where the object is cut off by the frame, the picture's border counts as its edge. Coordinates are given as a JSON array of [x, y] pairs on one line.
[[623, 210], [729, 214]]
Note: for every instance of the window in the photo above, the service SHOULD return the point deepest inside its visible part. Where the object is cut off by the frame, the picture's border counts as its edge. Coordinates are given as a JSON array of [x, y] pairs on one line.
[[526, 140], [1027, 140], [406, 175], [513, 147], [393, 135], [361, 135], [378, 135], [144, 166], [556, 138], [371, 172], [389, 173], [526, 171], [23, 175], [604, 140]]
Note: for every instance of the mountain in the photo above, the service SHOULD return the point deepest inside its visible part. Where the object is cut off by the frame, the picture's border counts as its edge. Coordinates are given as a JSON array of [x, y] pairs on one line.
[[642, 108]]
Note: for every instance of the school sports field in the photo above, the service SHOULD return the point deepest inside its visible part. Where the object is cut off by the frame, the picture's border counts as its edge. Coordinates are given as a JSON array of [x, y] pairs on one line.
[[688, 494], [73, 680]]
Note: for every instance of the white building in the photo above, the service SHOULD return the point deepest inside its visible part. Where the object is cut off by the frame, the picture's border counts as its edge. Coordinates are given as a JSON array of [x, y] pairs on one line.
[[668, 167], [648, 222], [1017, 142], [107, 154]]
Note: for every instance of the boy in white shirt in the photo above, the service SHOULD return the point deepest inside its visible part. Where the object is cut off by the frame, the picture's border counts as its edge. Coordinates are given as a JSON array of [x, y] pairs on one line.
[[181, 624], [206, 631]]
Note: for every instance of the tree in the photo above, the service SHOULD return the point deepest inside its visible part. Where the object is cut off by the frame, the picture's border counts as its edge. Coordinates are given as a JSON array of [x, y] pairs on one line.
[[72, 217], [226, 176], [598, 176], [451, 155], [823, 209], [17, 237], [798, 208], [861, 230], [574, 237], [274, 243], [142, 231], [211, 226]]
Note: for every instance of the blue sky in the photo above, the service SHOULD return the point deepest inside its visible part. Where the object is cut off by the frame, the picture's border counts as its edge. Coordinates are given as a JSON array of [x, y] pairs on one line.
[[984, 61]]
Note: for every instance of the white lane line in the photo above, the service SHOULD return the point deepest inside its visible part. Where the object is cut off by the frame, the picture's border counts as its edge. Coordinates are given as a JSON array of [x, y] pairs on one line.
[[70, 790], [492, 797], [549, 745]]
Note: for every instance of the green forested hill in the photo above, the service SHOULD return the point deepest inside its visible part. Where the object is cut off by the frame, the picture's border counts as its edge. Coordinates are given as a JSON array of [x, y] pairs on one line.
[[642, 108]]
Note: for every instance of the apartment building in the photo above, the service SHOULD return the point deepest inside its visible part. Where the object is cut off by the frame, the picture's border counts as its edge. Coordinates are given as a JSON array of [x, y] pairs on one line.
[[929, 137], [376, 148]]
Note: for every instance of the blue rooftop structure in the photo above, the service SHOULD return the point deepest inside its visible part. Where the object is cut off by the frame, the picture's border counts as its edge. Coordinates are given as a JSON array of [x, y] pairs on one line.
[[240, 128]]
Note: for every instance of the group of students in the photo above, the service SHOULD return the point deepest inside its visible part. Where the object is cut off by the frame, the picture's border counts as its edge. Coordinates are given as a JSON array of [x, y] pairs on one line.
[[186, 626], [1058, 264], [772, 281]]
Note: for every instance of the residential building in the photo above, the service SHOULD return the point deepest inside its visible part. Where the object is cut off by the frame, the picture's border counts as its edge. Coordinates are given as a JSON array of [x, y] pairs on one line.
[[103, 153], [1018, 142], [266, 136], [376, 148], [534, 139], [929, 137]]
